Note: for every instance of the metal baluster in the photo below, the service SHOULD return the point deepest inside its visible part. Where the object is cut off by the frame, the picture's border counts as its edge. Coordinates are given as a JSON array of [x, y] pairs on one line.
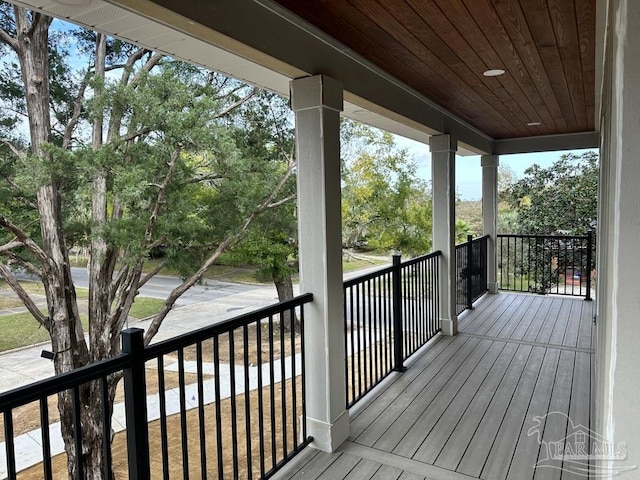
[[217, 394], [106, 430], [46, 441], [201, 417], [247, 398], [163, 419], [233, 401]]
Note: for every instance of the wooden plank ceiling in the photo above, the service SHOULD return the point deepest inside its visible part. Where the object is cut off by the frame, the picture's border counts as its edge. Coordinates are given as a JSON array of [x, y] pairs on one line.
[[442, 47]]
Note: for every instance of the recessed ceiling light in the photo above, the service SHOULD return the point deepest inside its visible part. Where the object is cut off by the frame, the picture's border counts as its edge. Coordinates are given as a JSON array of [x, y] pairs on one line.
[[533, 124], [493, 72]]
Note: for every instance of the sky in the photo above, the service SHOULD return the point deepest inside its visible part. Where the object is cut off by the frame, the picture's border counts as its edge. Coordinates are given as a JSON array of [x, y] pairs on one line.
[[468, 169]]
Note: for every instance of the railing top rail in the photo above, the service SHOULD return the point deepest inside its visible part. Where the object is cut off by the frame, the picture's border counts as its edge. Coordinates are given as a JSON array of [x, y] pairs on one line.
[[413, 261], [477, 239], [383, 271], [480, 239], [184, 340], [368, 276], [528, 235], [64, 381]]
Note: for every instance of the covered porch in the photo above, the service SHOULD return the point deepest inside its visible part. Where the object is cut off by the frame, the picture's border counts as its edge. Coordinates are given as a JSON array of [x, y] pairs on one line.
[[475, 405], [466, 405]]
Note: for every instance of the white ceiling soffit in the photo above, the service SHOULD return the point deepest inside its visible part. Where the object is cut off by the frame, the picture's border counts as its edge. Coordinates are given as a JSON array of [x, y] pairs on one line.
[[189, 41]]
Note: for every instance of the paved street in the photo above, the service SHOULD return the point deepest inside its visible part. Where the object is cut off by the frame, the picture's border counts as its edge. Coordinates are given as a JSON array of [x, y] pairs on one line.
[[161, 286]]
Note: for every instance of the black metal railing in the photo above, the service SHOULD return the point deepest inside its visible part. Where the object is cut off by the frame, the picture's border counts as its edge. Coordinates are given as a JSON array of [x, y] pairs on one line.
[[253, 422], [389, 314], [35, 403], [471, 272], [226, 401], [557, 264]]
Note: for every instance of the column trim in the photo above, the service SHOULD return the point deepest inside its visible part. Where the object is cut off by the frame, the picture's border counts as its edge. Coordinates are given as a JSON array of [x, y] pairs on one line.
[[443, 165], [316, 102], [490, 164]]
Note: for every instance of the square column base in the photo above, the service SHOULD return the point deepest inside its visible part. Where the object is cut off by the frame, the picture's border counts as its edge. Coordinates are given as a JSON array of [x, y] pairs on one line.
[[328, 437], [493, 287], [449, 326]]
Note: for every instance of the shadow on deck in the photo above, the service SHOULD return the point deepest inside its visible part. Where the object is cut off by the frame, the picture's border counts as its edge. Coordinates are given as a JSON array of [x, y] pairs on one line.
[[475, 405]]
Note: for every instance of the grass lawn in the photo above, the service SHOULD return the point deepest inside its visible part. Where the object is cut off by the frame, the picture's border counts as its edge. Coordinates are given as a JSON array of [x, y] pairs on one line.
[[149, 264], [12, 301], [241, 274], [6, 303], [82, 293], [349, 265], [144, 307], [21, 329], [29, 287]]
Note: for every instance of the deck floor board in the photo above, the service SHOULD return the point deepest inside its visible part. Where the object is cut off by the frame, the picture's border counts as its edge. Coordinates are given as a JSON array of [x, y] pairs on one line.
[[477, 405], [586, 326], [544, 334], [483, 417], [404, 401], [483, 381], [522, 319], [406, 434]]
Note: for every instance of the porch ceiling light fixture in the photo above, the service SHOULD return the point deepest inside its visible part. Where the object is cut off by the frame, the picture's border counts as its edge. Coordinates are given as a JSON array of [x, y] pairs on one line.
[[494, 72], [533, 124]]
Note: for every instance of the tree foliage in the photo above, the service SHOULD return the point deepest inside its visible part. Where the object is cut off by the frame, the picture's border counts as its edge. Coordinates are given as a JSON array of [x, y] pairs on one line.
[[128, 153], [271, 242], [384, 205], [562, 197]]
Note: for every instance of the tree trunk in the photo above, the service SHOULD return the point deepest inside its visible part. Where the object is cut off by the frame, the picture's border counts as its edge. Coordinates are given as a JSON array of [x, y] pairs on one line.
[[92, 431], [100, 272], [67, 336], [284, 286]]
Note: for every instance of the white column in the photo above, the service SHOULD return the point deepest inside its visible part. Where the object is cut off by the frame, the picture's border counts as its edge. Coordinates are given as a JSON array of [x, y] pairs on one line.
[[618, 266], [443, 167], [317, 102], [490, 216]]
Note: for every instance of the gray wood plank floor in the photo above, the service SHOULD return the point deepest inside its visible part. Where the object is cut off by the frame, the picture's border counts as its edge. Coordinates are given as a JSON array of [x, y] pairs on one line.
[[476, 405]]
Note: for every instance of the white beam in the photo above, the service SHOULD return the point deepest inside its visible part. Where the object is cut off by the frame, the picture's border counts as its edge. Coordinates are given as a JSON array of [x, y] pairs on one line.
[[546, 143], [443, 175], [317, 102]]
